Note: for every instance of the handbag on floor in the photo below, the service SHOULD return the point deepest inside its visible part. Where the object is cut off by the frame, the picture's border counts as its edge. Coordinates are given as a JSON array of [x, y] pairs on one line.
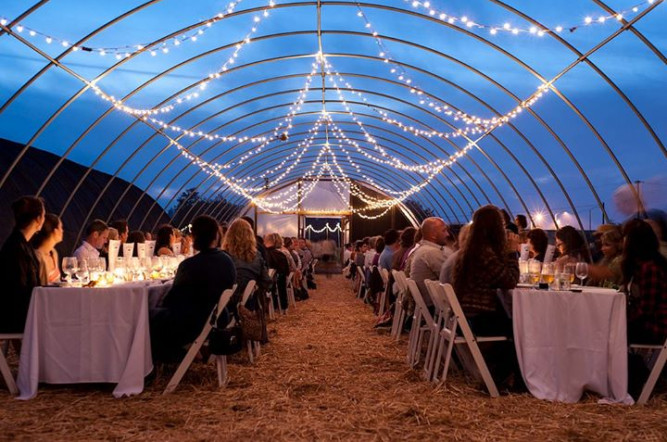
[[225, 341], [251, 323]]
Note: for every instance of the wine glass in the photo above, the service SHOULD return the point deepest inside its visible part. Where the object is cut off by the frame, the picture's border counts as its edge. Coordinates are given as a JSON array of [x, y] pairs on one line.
[[82, 272], [534, 271], [69, 266], [581, 270]]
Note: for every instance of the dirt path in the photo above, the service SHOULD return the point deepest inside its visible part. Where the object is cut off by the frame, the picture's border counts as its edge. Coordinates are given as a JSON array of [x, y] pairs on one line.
[[327, 374]]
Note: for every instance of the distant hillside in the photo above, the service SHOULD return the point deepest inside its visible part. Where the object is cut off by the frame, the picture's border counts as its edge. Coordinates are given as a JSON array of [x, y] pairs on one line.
[[33, 168]]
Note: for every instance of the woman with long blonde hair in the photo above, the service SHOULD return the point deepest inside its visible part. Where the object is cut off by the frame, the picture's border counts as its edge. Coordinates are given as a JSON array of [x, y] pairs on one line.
[[241, 245]]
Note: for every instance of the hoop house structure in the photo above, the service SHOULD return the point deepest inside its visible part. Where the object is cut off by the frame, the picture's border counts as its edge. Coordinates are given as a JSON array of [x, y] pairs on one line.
[[435, 107]]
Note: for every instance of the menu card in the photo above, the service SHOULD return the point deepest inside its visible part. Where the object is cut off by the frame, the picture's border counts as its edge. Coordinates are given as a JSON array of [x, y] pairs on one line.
[[525, 250], [114, 246], [141, 251], [177, 248], [128, 249], [549, 254], [150, 247]]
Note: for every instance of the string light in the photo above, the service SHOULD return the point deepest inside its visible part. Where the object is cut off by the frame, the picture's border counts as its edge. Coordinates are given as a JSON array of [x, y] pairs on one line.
[[509, 29], [326, 228], [203, 83], [474, 124], [122, 51]]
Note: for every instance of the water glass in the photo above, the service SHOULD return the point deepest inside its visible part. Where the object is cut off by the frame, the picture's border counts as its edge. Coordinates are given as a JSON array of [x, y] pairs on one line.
[[69, 267]]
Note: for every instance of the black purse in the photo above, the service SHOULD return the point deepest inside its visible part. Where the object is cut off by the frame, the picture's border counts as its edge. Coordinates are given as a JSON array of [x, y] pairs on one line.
[[225, 341]]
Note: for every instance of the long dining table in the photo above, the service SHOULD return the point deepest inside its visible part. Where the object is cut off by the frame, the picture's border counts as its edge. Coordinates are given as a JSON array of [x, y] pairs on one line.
[[568, 342], [89, 335]]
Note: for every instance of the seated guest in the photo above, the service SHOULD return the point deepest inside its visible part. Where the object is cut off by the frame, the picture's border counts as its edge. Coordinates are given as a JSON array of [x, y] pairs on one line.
[[509, 225], [44, 242], [411, 252], [406, 242], [487, 262], [522, 224], [347, 254], [379, 249], [571, 246], [165, 241], [186, 244], [97, 234], [427, 260], [607, 271], [240, 244], [305, 255], [277, 260], [123, 230], [537, 244], [19, 266], [645, 281], [136, 237], [113, 236], [198, 284], [391, 245], [448, 265]]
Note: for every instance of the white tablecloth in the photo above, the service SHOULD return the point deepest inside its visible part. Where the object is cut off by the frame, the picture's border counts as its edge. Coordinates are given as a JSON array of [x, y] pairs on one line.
[[77, 335], [570, 342]]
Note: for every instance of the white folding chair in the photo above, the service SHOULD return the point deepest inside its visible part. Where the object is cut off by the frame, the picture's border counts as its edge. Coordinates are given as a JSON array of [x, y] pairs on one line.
[[430, 326], [254, 347], [272, 310], [361, 278], [290, 290], [4, 366], [220, 360], [454, 319], [658, 360], [383, 298], [399, 312]]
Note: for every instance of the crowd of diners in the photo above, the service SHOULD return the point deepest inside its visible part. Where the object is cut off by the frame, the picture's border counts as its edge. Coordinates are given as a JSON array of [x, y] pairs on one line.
[[481, 262], [220, 256]]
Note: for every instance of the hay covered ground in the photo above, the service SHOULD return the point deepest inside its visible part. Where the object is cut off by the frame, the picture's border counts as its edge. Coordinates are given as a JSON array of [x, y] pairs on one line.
[[327, 374]]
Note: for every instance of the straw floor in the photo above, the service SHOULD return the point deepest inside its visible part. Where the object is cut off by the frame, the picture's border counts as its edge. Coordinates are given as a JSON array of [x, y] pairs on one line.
[[327, 374]]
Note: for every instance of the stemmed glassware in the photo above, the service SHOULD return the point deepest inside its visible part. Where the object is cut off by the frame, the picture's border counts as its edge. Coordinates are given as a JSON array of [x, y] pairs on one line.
[[581, 270], [82, 272], [69, 267]]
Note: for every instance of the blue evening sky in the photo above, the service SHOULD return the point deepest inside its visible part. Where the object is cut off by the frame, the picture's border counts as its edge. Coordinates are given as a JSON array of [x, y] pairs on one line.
[[585, 125]]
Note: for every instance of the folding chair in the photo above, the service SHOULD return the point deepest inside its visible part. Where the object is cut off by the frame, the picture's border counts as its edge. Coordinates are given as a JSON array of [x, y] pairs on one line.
[[290, 290], [220, 360], [658, 359], [383, 299], [254, 347], [399, 312], [272, 310], [430, 326], [361, 277], [454, 319], [4, 366]]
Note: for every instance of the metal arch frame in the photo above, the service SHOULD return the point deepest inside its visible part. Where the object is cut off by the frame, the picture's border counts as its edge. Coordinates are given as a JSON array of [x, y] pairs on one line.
[[409, 43], [500, 195], [275, 153], [370, 6], [24, 14], [634, 30], [585, 59], [366, 184]]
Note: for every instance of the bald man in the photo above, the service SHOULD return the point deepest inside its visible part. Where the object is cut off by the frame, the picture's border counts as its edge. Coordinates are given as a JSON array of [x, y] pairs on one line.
[[430, 255]]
